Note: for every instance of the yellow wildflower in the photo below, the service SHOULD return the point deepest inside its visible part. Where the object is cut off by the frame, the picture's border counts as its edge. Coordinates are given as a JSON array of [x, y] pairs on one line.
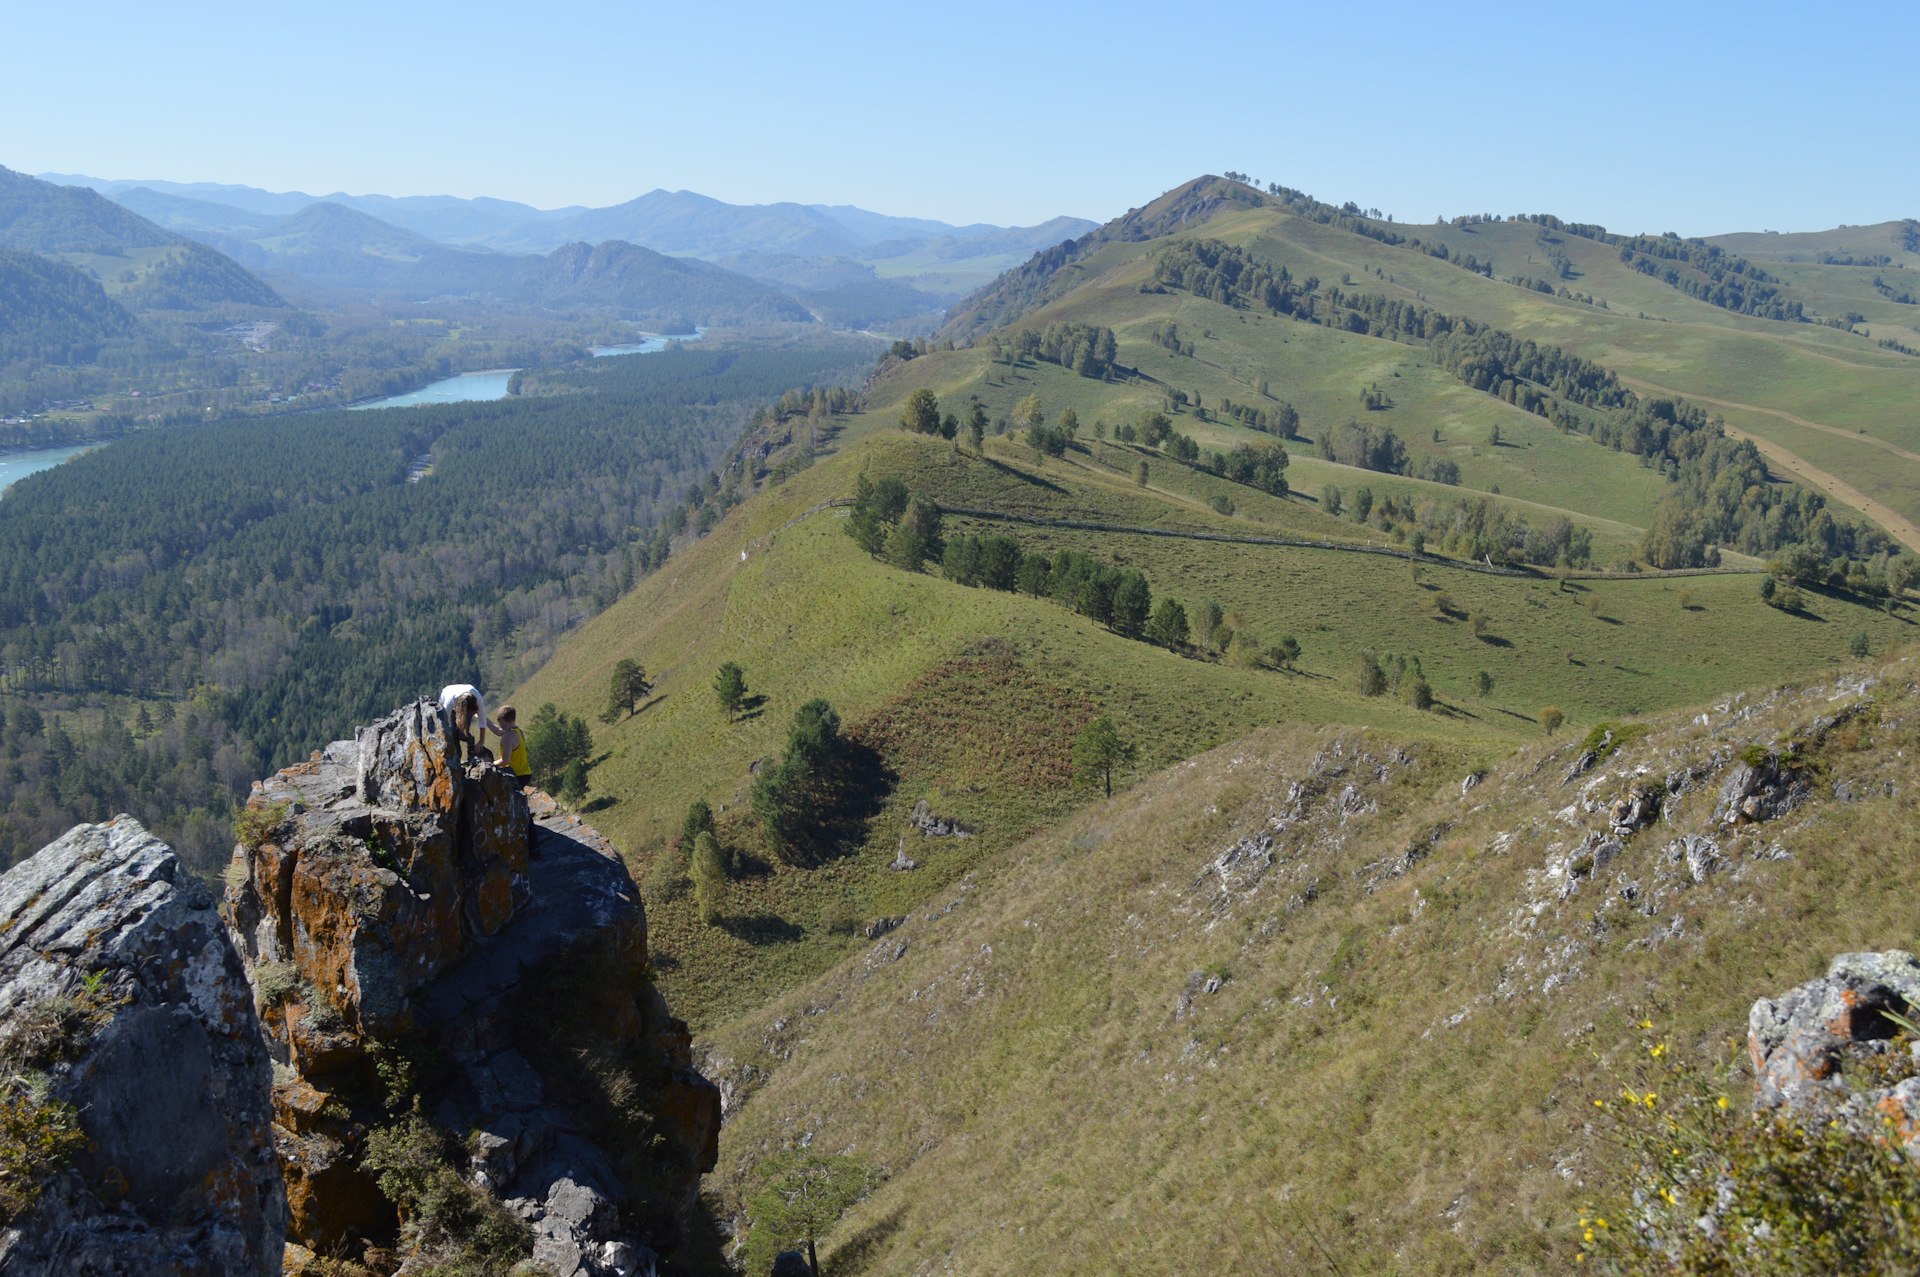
[[1657, 1050], [1721, 1102], [1646, 1024]]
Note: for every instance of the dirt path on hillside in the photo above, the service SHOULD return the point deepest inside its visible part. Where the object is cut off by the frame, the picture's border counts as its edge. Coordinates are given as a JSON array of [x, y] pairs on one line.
[[1881, 444], [1901, 527]]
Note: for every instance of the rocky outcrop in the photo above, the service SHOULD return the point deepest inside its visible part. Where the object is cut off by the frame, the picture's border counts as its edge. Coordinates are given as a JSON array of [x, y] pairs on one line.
[[119, 985], [1766, 789], [934, 825], [422, 932]]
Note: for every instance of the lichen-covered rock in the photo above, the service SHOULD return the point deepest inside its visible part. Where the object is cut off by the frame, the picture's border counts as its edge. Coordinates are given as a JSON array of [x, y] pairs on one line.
[[1635, 809], [391, 862], [105, 936], [1799, 1041], [401, 907]]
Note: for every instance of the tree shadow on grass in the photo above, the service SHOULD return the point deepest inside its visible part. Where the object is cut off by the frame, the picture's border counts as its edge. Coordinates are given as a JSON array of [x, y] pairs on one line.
[[761, 929], [750, 708], [1025, 477], [1494, 640], [599, 804], [860, 1251], [861, 784]]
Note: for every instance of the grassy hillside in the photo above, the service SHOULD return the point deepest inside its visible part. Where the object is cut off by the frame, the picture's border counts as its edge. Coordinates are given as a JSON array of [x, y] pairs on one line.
[[1766, 376], [910, 662], [1105, 1039], [1310, 1002]]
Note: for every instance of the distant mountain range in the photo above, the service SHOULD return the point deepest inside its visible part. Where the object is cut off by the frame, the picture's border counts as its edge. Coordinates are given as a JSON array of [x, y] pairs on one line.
[[936, 258], [679, 222], [667, 256], [112, 259]]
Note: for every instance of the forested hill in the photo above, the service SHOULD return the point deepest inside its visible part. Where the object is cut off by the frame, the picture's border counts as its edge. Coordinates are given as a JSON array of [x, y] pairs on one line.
[[285, 577], [44, 218], [151, 267], [52, 313], [650, 285], [339, 245]]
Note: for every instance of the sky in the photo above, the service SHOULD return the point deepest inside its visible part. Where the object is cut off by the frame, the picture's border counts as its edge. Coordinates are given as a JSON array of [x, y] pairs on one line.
[[1699, 119]]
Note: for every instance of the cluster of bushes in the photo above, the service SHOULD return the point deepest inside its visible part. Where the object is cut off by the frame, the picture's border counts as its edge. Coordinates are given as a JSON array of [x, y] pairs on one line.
[[558, 747], [1722, 496], [1280, 420], [1400, 675], [1228, 275], [1118, 598], [796, 799], [1885, 576], [1364, 445]]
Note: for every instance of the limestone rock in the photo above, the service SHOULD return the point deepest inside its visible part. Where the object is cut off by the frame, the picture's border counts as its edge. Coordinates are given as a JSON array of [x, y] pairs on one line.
[[391, 864], [1756, 793], [162, 1055], [1635, 809], [934, 825]]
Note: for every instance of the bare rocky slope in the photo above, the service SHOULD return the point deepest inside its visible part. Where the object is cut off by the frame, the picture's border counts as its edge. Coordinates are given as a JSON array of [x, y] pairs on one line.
[[1325, 998]]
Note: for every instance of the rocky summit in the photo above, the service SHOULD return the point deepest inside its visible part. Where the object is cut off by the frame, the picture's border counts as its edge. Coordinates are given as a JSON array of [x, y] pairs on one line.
[[438, 955], [138, 1083]]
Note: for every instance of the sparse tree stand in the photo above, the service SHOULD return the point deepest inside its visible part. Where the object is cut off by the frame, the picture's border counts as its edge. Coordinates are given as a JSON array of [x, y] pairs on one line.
[[1098, 750], [1551, 718], [805, 1193], [730, 688], [625, 691]]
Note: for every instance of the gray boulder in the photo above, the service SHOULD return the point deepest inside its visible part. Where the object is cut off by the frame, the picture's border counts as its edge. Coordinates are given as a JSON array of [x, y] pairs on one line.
[[121, 990]]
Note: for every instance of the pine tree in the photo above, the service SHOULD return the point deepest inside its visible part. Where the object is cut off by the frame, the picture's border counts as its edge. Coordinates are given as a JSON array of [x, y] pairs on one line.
[[1098, 750], [730, 687]]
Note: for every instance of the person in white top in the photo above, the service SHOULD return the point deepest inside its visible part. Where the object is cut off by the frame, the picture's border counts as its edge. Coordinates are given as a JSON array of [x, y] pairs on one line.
[[463, 707]]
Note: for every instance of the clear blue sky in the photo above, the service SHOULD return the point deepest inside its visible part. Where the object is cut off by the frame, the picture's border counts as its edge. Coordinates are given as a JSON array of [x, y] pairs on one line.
[[1685, 117]]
